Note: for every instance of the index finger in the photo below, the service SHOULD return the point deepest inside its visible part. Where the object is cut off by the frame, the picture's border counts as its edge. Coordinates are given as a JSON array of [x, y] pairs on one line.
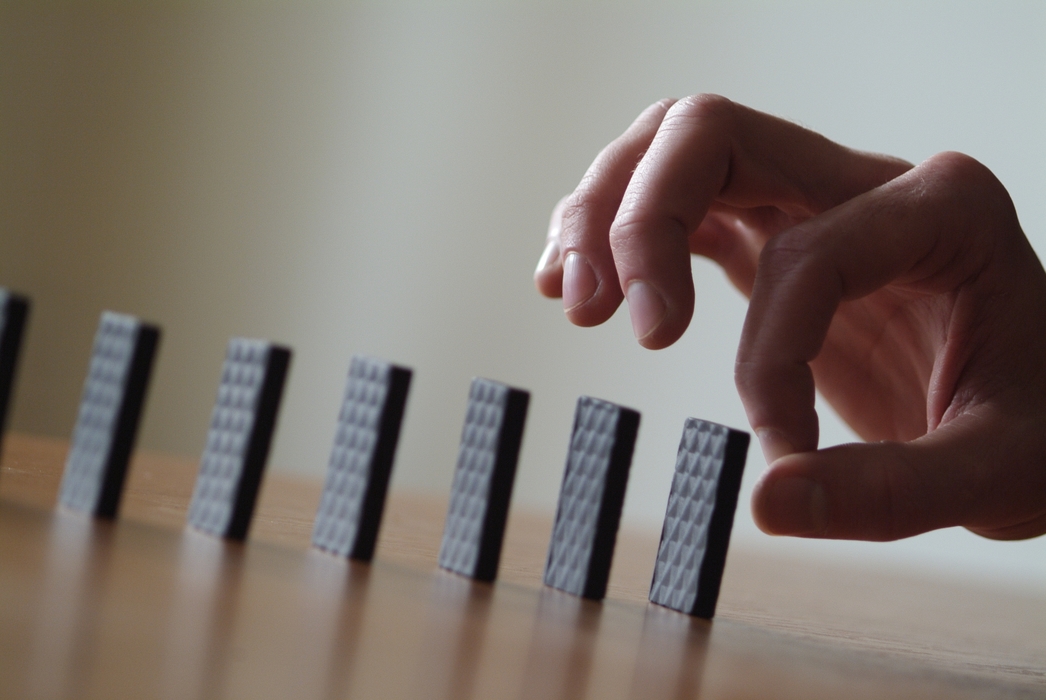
[[918, 230], [709, 149]]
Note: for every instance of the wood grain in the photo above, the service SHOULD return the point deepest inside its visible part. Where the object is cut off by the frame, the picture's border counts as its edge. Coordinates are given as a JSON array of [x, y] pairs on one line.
[[143, 608]]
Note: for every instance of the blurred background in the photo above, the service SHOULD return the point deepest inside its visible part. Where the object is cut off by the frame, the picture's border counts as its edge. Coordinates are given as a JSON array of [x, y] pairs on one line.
[[376, 177]]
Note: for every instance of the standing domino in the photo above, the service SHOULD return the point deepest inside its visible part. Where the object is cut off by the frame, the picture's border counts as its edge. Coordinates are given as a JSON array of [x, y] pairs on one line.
[[701, 506], [242, 425], [106, 426], [591, 498], [13, 312], [482, 488], [361, 461]]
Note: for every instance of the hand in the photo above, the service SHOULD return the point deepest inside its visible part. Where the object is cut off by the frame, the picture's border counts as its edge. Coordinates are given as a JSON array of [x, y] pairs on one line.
[[909, 296]]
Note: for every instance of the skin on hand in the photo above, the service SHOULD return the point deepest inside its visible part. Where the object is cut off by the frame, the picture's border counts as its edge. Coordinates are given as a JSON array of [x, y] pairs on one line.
[[909, 296]]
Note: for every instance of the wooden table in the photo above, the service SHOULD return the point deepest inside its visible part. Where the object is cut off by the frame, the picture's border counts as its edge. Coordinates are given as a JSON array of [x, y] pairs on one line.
[[143, 608]]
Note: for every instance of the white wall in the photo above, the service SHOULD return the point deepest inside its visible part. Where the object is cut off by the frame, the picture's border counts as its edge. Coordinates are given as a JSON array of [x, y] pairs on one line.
[[376, 177]]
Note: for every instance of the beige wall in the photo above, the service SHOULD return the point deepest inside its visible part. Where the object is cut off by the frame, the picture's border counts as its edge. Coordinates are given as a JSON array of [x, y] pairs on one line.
[[376, 177]]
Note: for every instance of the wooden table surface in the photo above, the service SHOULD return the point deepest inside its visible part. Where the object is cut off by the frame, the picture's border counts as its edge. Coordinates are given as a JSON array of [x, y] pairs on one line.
[[143, 608]]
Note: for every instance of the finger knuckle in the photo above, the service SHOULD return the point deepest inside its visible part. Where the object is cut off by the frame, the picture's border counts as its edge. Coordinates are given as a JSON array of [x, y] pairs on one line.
[[748, 373], [963, 178], [640, 230], [576, 208], [981, 210], [661, 107], [626, 232], [635, 215], [959, 168], [800, 264], [903, 496], [788, 252], [699, 109]]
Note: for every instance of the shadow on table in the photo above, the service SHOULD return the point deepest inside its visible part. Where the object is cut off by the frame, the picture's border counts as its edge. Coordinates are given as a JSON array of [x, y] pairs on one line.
[[77, 570], [202, 616], [349, 589], [672, 653], [562, 646], [455, 631]]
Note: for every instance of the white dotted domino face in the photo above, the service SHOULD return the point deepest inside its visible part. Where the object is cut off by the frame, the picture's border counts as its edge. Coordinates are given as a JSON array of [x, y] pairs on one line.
[[232, 421], [581, 498], [701, 504], [93, 436], [483, 479], [690, 504], [463, 531], [349, 470], [578, 512]]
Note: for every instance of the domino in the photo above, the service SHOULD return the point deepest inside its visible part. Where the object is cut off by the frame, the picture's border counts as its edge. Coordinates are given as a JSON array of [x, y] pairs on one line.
[[14, 310], [701, 504], [110, 409], [361, 460], [483, 478], [242, 425], [591, 498]]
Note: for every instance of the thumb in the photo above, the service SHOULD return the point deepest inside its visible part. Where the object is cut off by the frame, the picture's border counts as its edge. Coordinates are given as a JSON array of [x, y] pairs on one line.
[[879, 491]]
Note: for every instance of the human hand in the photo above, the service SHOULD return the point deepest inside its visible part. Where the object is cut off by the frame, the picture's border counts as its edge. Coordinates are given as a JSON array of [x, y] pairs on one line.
[[909, 296]]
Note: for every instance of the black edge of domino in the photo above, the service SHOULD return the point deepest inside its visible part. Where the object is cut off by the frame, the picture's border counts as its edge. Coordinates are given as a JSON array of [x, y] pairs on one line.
[[613, 502], [348, 520], [128, 419], [246, 482], [476, 552], [381, 465], [721, 525], [615, 480], [502, 480], [15, 312], [260, 441], [102, 498], [729, 469]]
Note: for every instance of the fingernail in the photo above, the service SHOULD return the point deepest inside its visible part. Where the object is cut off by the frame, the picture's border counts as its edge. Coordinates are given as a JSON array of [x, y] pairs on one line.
[[794, 506], [579, 281], [775, 445], [646, 308], [549, 258]]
